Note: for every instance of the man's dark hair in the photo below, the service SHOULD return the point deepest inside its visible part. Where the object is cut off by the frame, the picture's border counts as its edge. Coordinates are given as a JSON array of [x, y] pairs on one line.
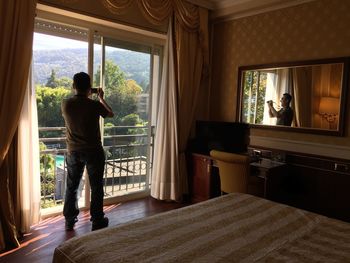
[[82, 81], [288, 97]]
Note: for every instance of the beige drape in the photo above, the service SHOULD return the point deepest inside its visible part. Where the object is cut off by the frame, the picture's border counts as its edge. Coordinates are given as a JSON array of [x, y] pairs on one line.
[[16, 30], [165, 171], [8, 182], [191, 61], [191, 56], [28, 171]]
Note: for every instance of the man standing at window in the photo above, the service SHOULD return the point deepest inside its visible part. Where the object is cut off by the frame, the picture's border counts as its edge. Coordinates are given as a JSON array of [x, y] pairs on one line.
[[285, 115], [82, 115]]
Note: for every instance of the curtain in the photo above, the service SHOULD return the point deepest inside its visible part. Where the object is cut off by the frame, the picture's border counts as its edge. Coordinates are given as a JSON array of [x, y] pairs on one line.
[[301, 93], [276, 84], [156, 12], [181, 81], [28, 197], [165, 171], [16, 30], [270, 94], [9, 235], [191, 56]]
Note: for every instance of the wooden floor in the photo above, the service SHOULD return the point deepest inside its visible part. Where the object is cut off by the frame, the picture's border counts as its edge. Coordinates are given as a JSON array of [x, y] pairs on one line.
[[39, 245]]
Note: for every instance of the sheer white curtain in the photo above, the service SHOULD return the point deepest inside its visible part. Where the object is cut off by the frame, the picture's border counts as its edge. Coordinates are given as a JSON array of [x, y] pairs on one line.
[[28, 161], [165, 171], [270, 94], [276, 84]]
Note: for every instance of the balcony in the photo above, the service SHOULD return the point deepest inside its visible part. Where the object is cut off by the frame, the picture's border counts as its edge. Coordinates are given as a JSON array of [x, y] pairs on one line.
[[126, 168]]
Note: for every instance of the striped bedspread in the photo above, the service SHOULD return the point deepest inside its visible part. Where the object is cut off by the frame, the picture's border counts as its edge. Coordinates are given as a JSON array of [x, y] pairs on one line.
[[230, 228]]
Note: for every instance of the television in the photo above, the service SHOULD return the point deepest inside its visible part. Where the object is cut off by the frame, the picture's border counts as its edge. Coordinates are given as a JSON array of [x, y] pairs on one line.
[[223, 136]]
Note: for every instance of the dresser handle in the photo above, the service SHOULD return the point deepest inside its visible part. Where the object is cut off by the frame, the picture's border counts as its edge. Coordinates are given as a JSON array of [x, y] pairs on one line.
[[341, 167]]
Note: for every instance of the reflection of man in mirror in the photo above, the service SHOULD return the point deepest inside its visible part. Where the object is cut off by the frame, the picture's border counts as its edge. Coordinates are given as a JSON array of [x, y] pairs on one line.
[[285, 115]]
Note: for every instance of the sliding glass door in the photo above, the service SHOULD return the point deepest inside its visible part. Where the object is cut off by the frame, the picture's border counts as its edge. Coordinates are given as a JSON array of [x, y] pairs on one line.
[[125, 71], [129, 73]]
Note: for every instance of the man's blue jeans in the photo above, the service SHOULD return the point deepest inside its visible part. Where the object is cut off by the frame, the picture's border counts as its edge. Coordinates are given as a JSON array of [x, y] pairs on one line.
[[94, 162]]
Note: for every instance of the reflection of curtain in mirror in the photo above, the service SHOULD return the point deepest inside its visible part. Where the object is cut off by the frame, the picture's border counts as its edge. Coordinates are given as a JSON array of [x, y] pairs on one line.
[[270, 94], [301, 93], [277, 83]]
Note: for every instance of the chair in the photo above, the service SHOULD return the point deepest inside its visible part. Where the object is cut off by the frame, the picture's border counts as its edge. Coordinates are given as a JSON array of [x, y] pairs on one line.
[[233, 170]]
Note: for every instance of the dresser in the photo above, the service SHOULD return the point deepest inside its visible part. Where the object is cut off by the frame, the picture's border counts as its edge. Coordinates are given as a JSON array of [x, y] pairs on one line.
[[205, 179], [314, 183]]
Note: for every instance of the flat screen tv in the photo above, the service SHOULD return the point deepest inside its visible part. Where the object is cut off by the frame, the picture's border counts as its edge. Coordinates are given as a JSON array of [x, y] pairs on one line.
[[224, 136]]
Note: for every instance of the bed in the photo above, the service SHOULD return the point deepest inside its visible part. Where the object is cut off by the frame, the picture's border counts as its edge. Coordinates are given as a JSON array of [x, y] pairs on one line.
[[230, 228]]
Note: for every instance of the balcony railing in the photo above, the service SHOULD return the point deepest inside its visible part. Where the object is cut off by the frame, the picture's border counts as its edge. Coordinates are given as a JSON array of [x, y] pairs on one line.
[[126, 166]]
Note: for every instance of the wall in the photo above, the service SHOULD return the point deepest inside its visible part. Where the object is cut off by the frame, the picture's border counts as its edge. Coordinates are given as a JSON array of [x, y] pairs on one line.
[[318, 29]]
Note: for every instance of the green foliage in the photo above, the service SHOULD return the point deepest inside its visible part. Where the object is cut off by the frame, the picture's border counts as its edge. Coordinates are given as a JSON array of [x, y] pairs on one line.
[[114, 78], [65, 82], [254, 96], [47, 172], [121, 94], [49, 105], [130, 120], [108, 130], [52, 80]]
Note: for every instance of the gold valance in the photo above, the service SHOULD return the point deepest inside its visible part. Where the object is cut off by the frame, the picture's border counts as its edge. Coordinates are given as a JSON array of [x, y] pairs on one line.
[[117, 7], [158, 12]]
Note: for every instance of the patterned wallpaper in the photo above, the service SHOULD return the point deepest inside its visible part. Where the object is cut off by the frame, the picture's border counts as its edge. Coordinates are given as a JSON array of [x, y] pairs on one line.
[[318, 29]]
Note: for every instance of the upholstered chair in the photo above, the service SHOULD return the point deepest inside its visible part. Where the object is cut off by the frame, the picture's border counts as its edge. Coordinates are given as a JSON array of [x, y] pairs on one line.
[[233, 170]]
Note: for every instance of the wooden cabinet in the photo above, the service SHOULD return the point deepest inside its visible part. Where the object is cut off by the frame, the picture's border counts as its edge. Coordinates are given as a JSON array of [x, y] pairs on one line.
[[203, 176], [205, 179], [318, 184], [269, 175]]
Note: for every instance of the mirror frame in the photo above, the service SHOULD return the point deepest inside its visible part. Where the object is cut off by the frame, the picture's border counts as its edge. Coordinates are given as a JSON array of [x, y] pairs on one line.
[[343, 99]]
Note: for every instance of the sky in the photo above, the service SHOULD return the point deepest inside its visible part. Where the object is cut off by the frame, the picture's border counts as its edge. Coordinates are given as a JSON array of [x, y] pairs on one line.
[[46, 42]]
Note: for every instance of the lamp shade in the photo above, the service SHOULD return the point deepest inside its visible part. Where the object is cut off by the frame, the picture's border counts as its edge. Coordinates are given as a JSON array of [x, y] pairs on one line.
[[329, 105]]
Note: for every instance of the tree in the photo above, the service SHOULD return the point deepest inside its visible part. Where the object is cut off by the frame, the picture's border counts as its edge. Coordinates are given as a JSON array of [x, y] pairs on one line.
[[52, 80], [49, 105], [121, 94], [64, 82], [114, 77]]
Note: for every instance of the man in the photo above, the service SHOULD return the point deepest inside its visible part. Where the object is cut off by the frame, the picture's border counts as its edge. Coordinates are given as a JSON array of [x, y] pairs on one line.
[[82, 115], [285, 115]]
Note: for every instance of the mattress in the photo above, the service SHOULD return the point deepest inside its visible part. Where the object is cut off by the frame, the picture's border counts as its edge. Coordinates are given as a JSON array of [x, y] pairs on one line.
[[230, 228]]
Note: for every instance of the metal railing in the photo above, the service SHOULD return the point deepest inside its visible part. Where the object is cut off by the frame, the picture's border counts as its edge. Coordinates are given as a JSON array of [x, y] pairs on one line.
[[126, 165]]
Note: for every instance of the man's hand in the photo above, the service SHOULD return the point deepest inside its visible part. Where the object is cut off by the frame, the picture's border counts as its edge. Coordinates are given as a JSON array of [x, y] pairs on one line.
[[100, 93]]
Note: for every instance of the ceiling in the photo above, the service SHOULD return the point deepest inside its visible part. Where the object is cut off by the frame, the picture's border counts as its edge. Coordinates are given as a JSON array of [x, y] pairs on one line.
[[233, 9]]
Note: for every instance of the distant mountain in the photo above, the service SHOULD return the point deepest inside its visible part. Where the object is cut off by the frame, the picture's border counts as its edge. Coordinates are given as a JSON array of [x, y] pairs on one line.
[[67, 62]]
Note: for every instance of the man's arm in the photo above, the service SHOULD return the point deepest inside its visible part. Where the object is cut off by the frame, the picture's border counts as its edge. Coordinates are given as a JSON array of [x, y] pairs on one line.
[[272, 110], [104, 103]]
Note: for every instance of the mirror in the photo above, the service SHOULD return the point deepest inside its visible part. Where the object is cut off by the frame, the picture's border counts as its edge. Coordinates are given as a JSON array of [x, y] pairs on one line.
[[307, 96]]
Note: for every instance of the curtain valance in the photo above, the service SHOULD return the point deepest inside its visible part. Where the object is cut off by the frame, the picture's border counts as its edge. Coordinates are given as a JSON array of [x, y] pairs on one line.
[[158, 11]]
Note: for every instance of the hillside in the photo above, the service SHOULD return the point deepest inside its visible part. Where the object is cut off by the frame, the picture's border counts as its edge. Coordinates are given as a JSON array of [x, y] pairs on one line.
[[66, 62]]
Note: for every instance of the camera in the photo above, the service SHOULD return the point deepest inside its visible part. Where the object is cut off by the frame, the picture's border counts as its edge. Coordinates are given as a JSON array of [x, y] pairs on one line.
[[94, 90]]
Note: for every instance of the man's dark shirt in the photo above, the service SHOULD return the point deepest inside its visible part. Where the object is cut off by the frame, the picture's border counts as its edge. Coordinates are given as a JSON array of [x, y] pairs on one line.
[[82, 116], [285, 116]]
